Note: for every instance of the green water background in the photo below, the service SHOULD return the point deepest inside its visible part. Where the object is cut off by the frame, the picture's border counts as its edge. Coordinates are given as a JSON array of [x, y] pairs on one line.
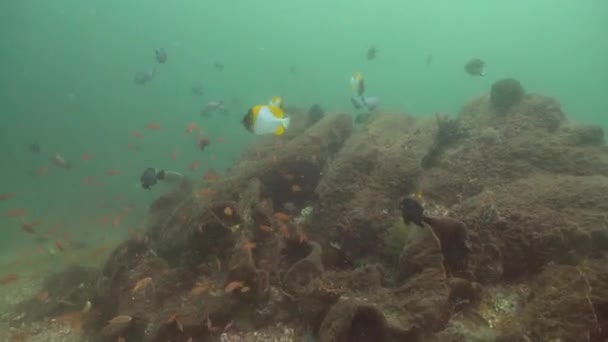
[[66, 78]]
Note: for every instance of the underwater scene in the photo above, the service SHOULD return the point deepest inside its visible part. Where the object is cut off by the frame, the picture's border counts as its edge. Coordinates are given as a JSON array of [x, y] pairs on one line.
[[315, 171]]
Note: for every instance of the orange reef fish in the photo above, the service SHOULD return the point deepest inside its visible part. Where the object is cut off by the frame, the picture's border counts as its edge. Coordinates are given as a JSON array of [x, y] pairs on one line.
[[7, 196], [153, 126]]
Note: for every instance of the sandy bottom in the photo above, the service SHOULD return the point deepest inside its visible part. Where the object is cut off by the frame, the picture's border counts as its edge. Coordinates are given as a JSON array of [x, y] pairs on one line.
[[30, 270]]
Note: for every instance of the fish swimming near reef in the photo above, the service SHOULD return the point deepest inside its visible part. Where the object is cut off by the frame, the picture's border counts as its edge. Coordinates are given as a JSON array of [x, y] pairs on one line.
[[213, 106], [144, 77], [264, 119], [60, 162], [357, 85], [370, 102], [35, 148], [411, 211], [151, 176], [315, 113], [475, 67], [371, 53], [161, 56]]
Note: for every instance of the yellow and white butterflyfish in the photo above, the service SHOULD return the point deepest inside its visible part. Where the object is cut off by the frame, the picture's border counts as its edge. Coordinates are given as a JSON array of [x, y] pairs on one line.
[[276, 101], [356, 84], [265, 119]]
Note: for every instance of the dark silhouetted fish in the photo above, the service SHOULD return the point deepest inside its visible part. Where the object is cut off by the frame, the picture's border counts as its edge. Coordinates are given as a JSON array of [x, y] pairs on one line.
[[35, 148], [315, 113], [429, 59], [475, 67], [143, 77], [198, 89], [161, 56], [371, 53], [412, 211]]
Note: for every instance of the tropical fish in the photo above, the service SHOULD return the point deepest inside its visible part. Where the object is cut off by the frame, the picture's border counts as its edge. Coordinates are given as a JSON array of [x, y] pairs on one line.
[[264, 119], [357, 84]]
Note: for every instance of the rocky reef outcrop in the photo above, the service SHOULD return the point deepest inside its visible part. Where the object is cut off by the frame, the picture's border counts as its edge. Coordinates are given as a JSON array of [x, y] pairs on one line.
[[300, 233]]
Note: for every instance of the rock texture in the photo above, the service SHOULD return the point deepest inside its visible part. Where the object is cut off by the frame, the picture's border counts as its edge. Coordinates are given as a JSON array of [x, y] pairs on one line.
[[294, 235]]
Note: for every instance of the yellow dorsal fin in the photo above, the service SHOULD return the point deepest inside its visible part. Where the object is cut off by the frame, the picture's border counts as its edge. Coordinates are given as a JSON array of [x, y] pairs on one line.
[[276, 112], [280, 130], [255, 111]]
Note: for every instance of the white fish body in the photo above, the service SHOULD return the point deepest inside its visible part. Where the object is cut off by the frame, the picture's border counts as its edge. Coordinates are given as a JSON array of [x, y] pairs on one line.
[[268, 123]]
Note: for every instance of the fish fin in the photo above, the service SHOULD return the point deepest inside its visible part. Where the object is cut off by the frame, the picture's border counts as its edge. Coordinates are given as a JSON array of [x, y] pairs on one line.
[[280, 130], [276, 112], [286, 122]]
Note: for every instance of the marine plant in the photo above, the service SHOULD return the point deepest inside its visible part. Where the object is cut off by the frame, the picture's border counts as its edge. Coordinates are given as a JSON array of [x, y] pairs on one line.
[[506, 93]]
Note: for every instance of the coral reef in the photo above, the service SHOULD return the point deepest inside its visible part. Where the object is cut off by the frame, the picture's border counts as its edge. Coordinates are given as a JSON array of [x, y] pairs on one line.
[[299, 241]]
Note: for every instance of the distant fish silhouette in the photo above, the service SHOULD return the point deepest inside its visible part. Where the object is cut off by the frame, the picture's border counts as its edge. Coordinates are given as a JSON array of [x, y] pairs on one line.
[[371, 53], [475, 67], [144, 77], [35, 148], [161, 56]]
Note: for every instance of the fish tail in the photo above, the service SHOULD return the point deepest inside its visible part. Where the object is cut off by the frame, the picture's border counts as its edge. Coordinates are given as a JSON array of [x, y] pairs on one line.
[[286, 122]]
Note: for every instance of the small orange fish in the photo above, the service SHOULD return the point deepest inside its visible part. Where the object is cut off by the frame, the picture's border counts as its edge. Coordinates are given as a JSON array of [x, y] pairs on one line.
[[296, 188], [43, 170], [228, 211], [15, 213], [59, 246], [153, 126], [193, 126], [248, 246], [112, 172], [205, 192], [220, 140], [281, 216], [43, 296], [9, 278], [194, 165], [116, 221], [178, 324], [7, 196], [283, 230], [210, 175], [137, 135], [89, 180], [174, 155], [198, 290], [120, 319], [142, 284], [265, 228], [233, 285], [86, 156], [289, 177]]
